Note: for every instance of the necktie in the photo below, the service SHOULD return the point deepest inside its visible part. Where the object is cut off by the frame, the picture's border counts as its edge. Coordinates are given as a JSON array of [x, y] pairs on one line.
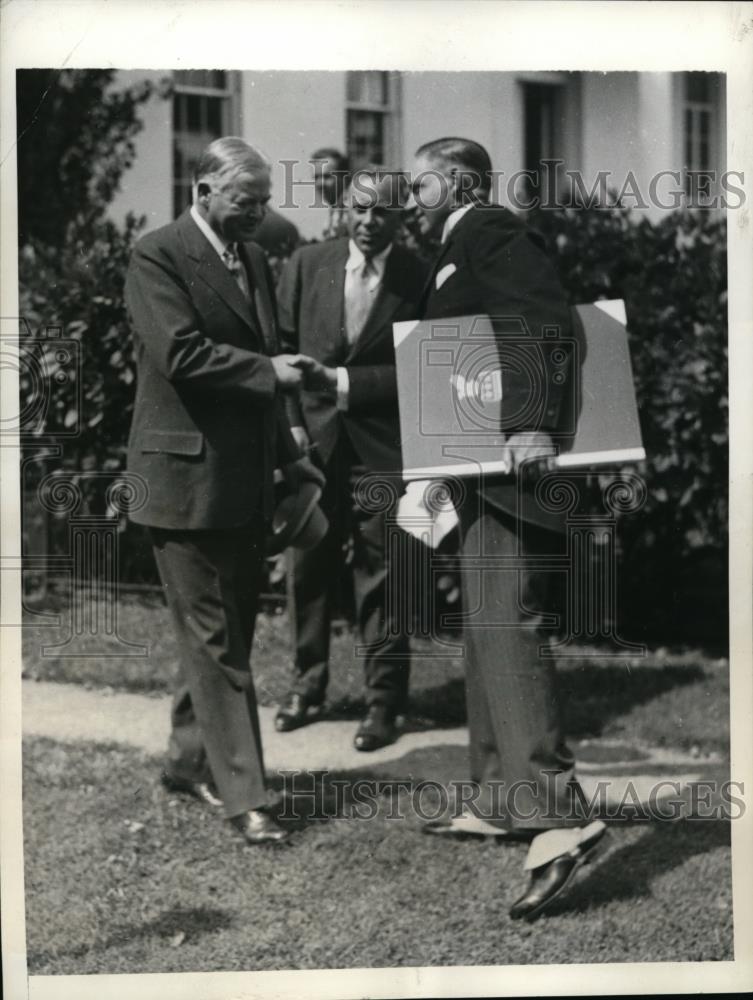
[[359, 296], [236, 268]]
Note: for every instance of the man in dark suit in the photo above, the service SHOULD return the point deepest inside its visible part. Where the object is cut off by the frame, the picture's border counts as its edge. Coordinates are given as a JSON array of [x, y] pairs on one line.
[[491, 263], [338, 301], [208, 432]]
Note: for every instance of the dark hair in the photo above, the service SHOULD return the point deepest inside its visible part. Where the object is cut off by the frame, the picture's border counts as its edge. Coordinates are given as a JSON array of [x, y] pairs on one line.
[[330, 153], [469, 157], [230, 155]]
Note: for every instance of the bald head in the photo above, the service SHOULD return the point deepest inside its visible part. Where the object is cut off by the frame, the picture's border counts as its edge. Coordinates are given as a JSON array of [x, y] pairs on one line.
[[228, 157], [232, 182]]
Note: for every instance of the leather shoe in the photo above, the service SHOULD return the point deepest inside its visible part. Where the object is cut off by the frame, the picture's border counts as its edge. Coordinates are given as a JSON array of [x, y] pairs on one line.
[[377, 729], [293, 713], [258, 827], [550, 880], [202, 790]]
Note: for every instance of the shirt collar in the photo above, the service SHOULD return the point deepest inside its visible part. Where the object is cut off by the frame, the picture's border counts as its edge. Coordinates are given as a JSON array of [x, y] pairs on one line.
[[452, 220], [217, 242], [356, 258]]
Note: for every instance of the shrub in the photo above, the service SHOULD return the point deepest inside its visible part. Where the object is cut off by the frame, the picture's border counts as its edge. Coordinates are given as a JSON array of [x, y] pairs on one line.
[[672, 276], [75, 140]]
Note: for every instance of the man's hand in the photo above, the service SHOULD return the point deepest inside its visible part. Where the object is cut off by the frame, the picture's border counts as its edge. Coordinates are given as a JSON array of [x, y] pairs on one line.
[[288, 374], [528, 446], [316, 376], [301, 471]]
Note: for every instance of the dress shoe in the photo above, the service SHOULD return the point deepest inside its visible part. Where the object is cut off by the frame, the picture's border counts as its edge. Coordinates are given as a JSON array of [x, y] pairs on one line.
[[377, 730], [294, 712], [202, 790], [258, 827], [550, 880]]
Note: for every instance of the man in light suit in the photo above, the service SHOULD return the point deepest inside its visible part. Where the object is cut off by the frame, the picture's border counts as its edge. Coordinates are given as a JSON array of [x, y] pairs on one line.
[[338, 301], [491, 263], [208, 432]]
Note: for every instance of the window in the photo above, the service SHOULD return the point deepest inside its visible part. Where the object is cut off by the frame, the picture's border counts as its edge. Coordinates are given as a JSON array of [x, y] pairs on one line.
[[202, 111], [701, 106], [542, 115], [371, 117]]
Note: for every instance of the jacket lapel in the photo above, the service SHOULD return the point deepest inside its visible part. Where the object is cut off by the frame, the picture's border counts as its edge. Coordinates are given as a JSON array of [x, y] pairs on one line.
[[210, 269], [330, 287], [262, 302], [443, 251]]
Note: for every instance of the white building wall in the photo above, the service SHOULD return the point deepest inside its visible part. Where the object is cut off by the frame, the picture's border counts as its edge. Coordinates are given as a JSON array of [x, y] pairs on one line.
[[147, 186], [289, 115], [631, 122], [482, 106], [616, 122]]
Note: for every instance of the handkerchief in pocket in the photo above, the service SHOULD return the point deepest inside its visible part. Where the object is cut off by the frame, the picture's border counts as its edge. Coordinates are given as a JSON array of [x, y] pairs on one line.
[[442, 275]]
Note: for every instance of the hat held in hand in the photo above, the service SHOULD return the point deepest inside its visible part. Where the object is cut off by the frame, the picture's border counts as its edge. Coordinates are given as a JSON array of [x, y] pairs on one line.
[[298, 520]]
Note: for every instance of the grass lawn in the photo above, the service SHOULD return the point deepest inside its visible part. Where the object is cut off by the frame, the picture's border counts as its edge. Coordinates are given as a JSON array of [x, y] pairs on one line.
[[121, 877], [677, 698]]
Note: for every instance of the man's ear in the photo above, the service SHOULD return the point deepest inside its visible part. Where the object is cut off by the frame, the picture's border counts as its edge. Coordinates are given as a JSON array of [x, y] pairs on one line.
[[455, 182], [203, 189]]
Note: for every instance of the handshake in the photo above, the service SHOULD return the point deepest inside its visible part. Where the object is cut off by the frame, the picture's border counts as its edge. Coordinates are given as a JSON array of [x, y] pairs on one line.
[[299, 371]]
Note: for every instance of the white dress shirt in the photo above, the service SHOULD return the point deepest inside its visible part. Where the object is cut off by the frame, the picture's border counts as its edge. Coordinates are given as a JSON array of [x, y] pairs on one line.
[[452, 220], [217, 242], [222, 248], [355, 261]]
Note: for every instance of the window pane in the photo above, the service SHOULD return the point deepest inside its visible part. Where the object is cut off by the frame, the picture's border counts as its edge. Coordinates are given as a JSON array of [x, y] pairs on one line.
[[696, 87], [688, 137], [202, 78], [365, 137], [192, 112], [704, 161], [214, 115], [367, 87]]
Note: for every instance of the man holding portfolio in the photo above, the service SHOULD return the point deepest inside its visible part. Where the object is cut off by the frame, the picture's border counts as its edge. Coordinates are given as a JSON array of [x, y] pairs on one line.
[[490, 263]]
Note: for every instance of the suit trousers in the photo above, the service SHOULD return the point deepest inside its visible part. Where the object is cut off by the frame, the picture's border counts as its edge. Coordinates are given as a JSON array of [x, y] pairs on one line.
[[379, 610], [211, 582], [518, 757]]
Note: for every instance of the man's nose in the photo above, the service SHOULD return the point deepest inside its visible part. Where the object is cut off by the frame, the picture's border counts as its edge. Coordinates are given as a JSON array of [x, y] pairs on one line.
[[411, 204]]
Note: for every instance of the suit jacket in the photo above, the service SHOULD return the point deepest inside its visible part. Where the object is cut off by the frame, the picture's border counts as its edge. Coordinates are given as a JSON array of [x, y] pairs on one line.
[[312, 320], [207, 420], [493, 263]]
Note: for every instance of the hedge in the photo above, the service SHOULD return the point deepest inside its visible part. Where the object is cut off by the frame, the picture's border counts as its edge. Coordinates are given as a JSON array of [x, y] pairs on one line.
[[672, 275]]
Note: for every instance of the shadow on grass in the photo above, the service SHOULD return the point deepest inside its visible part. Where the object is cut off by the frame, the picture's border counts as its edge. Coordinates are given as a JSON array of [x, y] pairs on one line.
[[360, 793], [191, 922], [629, 872], [592, 694]]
